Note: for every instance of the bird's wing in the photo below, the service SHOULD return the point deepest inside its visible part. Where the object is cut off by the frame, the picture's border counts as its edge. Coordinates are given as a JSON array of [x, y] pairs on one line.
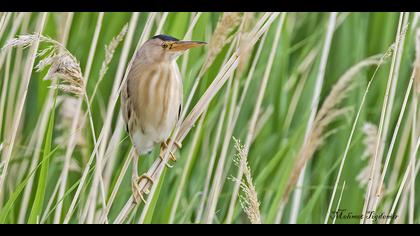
[[124, 105], [127, 97], [179, 77]]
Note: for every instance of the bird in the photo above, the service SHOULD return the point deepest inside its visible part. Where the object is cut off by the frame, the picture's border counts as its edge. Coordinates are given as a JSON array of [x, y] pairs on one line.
[[151, 98]]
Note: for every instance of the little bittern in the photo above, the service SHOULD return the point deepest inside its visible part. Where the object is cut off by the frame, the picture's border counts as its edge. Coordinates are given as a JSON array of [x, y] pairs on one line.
[[151, 98]]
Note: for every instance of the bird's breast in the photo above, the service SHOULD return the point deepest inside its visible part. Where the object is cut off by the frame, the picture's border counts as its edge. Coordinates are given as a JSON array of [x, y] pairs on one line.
[[159, 100]]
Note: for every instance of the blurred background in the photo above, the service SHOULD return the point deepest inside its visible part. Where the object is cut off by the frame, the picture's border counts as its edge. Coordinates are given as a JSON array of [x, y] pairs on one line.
[[310, 148]]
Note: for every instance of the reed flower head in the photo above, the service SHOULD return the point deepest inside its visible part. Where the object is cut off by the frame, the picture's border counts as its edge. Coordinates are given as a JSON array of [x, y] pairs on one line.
[[65, 67], [370, 139], [22, 41], [221, 36], [327, 114], [249, 200], [110, 50], [245, 42], [67, 112], [62, 64]]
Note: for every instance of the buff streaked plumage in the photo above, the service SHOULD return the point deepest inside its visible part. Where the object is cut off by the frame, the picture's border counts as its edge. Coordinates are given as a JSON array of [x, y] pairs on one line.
[[151, 97], [151, 103]]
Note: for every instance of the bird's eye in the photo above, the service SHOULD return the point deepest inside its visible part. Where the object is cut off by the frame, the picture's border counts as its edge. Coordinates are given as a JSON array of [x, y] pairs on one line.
[[164, 45]]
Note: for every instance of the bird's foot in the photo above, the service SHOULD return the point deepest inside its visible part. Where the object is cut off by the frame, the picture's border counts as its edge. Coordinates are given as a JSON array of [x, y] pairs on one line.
[[170, 157], [164, 146], [177, 144], [137, 192]]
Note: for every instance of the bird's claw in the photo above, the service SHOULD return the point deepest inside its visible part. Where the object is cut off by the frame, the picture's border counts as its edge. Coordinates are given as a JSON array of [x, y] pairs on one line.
[[137, 192], [177, 144], [172, 156], [167, 164]]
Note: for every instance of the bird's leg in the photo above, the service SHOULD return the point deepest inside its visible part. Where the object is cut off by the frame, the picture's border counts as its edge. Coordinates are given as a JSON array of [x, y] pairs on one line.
[[137, 192]]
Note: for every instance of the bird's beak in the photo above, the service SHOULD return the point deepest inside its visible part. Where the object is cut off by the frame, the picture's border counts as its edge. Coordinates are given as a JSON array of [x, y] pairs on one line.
[[185, 45]]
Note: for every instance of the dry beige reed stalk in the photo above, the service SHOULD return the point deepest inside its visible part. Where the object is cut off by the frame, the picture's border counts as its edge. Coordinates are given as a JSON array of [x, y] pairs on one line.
[[109, 54], [4, 20], [25, 80], [382, 60], [232, 118], [60, 19], [41, 126], [320, 77], [259, 29], [386, 112], [377, 186], [416, 91], [249, 200], [252, 126], [184, 176], [212, 51], [21, 20], [404, 180], [5, 87], [328, 113], [226, 25]]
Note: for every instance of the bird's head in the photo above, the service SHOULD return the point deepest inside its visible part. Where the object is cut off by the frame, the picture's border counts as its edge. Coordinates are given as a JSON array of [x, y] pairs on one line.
[[166, 48]]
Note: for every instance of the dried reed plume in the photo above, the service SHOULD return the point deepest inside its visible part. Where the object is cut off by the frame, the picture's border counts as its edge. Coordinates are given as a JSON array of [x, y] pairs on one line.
[[66, 112], [23, 41], [110, 50], [226, 25], [249, 200], [109, 54], [371, 137], [245, 41], [62, 64], [328, 113]]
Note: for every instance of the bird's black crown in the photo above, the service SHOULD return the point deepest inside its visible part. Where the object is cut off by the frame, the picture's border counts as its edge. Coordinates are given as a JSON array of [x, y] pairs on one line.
[[165, 37]]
